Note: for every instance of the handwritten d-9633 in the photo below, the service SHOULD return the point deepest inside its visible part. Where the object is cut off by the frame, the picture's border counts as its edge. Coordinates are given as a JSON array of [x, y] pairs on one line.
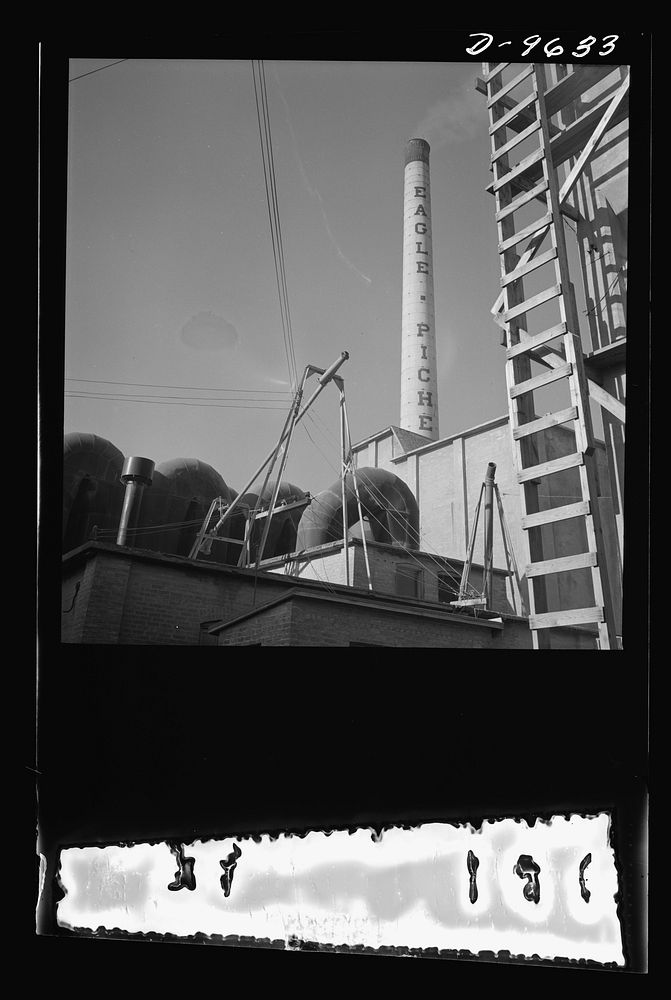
[[552, 48]]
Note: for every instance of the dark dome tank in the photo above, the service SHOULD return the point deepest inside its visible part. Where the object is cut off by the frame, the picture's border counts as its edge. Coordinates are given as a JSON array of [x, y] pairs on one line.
[[189, 477], [385, 499], [92, 491]]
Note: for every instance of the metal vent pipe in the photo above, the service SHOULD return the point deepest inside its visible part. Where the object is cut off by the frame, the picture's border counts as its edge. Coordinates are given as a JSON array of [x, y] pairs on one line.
[[136, 474]]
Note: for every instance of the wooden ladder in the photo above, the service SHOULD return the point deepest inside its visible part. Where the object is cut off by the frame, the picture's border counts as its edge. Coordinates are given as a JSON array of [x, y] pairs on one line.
[[518, 114]]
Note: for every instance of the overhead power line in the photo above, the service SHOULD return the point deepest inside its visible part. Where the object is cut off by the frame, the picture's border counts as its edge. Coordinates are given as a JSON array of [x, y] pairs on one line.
[[102, 394], [269, 177], [238, 405], [192, 388]]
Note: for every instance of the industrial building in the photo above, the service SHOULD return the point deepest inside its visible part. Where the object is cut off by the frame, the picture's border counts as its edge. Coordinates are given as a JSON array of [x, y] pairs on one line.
[[390, 553]]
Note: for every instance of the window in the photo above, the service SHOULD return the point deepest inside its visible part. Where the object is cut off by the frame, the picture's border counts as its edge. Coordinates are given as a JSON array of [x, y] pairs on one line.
[[408, 581]]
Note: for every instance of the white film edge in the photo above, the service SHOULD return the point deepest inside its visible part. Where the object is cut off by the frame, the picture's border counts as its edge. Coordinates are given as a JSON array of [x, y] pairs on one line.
[[546, 889]]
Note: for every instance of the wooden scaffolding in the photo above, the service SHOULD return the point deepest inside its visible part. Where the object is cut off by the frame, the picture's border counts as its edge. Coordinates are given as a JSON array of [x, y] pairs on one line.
[[553, 120]]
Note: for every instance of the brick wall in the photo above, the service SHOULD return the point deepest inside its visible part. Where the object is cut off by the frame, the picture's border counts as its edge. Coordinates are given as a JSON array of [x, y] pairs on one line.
[[136, 598], [305, 622], [75, 594], [99, 600], [269, 628], [106, 600], [128, 598], [321, 623]]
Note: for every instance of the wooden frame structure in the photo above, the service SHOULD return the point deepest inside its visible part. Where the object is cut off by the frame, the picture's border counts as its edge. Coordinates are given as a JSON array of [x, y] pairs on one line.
[[555, 120]]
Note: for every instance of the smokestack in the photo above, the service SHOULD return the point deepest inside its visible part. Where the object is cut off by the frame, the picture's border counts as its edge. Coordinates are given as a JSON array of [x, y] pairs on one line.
[[419, 395]]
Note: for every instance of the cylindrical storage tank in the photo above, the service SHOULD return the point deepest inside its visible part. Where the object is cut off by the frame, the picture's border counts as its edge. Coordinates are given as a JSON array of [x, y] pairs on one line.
[[180, 498], [385, 499], [92, 491], [419, 383]]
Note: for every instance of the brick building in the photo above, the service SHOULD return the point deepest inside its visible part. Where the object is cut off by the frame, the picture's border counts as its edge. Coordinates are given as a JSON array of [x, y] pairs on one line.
[[129, 596], [429, 510]]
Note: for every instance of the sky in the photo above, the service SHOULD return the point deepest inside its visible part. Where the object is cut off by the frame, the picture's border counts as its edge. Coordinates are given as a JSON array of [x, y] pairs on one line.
[[170, 276]]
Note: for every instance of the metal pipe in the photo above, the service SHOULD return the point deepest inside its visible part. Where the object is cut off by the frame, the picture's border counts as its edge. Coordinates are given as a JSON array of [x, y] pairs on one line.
[[136, 474], [326, 377], [489, 534], [252, 515], [356, 491], [510, 552], [343, 474], [276, 490], [134, 491], [323, 380], [465, 573]]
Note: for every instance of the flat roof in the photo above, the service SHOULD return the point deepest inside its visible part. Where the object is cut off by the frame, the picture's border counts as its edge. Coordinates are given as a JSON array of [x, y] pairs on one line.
[[379, 602], [295, 583], [433, 444]]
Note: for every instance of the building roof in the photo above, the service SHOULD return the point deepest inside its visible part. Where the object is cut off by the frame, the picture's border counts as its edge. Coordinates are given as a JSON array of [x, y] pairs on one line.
[[410, 442], [351, 597]]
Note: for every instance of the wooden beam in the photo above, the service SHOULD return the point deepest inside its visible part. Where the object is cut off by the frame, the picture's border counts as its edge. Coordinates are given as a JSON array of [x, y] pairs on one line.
[[541, 223], [611, 356], [516, 140], [608, 402], [528, 255], [495, 72], [552, 514], [537, 340], [280, 508], [555, 619], [527, 71], [550, 468], [523, 269], [564, 564], [535, 300], [570, 211], [573, 85], [523, 199], [519, 169], [570, 142], [521, 117], [518, 108], [543, 423], [555, 360], [595, 139], [538, 381], [497, 307]]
